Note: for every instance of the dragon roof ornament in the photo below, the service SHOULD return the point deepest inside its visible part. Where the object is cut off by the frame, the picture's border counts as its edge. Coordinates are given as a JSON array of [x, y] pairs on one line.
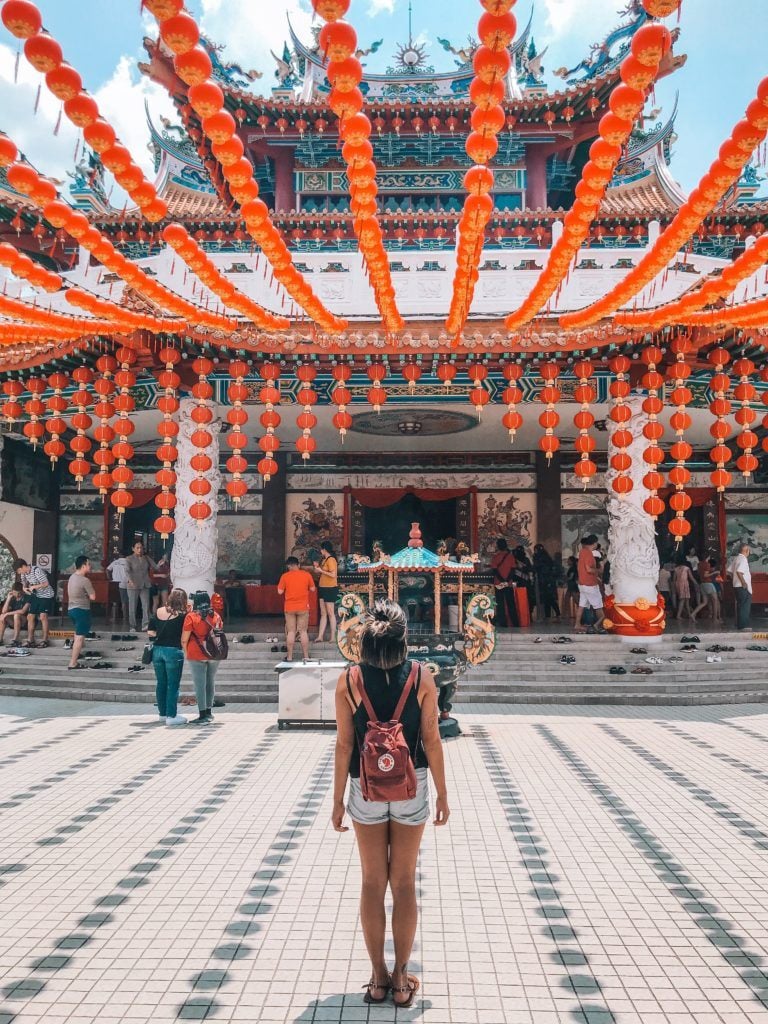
[[608, 54]]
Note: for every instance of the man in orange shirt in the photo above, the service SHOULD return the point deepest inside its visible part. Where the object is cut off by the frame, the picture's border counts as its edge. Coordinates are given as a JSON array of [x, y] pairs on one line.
[[296, 584], [589, 583]]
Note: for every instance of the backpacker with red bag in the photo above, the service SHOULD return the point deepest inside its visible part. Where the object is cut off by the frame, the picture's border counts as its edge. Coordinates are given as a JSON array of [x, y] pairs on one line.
[[387, 773]]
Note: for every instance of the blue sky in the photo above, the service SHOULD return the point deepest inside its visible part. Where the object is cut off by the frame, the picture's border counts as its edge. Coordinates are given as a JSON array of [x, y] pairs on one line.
[[726, 44]]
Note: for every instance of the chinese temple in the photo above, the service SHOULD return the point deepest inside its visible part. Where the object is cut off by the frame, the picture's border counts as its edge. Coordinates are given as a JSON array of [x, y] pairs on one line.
[[349, 300]]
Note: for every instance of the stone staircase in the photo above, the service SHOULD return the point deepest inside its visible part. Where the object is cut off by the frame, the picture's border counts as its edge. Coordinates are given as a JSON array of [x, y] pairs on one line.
[[520, 671]]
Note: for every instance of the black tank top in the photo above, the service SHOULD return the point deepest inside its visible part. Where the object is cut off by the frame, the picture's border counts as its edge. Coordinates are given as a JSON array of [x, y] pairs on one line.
[[384, 688]]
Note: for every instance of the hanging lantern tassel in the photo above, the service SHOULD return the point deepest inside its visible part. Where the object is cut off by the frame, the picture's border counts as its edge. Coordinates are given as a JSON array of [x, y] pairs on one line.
[[122, 474], [720, 408], [377, 394], [745, 392], [56, 425], [479, 395], [681, 451], [202, 439], [167, 452], [584, 420], [653, 431], [270, 418], [341, 397], [237, 417], [549, 395], [621, 413], [80, 444], [306, 420]]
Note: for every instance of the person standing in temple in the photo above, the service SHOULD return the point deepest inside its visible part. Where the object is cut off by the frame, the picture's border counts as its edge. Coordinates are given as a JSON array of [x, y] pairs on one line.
[[503, 566], [295, 585], [198, 623], [589, 584], [546, 582], [165, 631], [119, 573], [327, 590], [35, 583], [742, 588], [80, 593], [138, 567]]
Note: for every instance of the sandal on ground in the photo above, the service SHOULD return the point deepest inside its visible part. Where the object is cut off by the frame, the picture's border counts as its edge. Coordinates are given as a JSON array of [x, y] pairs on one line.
[[412, 988], [690, 640], [372, 984], [72, 668], [617, 670], [639, 650], [642, 670]]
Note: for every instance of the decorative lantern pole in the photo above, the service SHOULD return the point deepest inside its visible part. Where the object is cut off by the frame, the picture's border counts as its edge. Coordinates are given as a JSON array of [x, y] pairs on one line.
[[237, 417]]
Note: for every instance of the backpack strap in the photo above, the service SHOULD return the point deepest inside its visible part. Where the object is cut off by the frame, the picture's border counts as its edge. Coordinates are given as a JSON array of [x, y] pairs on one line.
[[349, 687], [364, 698], [415, 669]]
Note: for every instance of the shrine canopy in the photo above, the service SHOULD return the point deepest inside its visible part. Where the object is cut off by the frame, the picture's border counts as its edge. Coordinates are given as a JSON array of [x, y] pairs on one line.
[[414, 559]]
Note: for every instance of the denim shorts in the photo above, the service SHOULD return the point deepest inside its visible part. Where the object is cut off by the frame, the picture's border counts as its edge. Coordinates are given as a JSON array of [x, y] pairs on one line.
[[81, 619], [376, 812]]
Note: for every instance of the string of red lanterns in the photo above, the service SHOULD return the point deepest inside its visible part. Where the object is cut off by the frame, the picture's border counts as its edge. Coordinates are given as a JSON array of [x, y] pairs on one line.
[[549, 395], [81, 421], [104, 434], [512, 396], [11, 409], [621, 413], [681, 451], [377, 394], [180, 33], [724, 171], [168, 430], [202, 439], [122, 474], [341, 396], [338, 40], [56, 404], [306, 421], [653, 430], [491, 63], [22, 266], [35, 409], [269, 396], [638, 71], [195, 257], [584, 420], [720, 407], [237, 417], [478, 394], [745, 393], [45, 55]]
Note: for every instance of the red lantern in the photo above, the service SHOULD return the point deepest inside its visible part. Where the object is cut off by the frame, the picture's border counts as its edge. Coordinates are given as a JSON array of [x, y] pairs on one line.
[[653, 430], [745, 392], [167, 452], [306, 420], [720, 384], [680, 421], [412, 373], [621, 413], [446, 373], [237, 417], [512, 396], [341, 396], [35, 409], [270, 396], [11, 409]]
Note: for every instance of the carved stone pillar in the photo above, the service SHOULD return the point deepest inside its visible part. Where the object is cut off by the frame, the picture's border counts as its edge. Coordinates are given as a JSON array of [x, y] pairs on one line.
[[634, 608], [195, 544]]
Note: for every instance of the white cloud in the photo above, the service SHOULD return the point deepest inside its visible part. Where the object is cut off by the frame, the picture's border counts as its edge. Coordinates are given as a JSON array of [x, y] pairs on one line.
[[121, 102], [381, 7], [248, 32], [588, 17]]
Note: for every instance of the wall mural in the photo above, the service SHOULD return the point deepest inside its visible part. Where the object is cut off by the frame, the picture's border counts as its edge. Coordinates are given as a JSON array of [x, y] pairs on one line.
[[753, 529], [7, 574], [576, 525], [239, 545], [512, 516], [81, 534], [312, 520]]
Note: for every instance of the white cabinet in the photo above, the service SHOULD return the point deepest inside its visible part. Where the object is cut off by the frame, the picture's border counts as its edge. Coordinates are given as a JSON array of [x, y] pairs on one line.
[[307, 692]]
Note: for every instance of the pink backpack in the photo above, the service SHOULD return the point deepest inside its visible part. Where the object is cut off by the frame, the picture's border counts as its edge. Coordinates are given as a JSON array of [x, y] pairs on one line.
[[386, 768]]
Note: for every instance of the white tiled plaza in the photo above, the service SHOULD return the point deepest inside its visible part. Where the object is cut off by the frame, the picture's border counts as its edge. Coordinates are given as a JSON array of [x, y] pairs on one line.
[[600, 865]]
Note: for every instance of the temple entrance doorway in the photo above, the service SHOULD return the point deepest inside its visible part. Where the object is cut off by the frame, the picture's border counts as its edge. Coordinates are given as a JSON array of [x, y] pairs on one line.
[[391, 525], [138, 525]]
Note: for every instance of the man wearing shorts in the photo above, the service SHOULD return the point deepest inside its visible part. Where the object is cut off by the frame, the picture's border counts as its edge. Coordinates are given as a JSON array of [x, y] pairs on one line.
[[80, 593], [589, 582], [296, 584], [35, 583]]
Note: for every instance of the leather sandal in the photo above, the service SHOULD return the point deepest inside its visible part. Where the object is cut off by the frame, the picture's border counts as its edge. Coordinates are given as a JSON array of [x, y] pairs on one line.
[[386, 985], [412, 988]]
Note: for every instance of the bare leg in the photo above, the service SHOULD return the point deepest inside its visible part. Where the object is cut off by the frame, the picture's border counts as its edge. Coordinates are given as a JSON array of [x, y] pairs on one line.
[[77, 647], [715, 606], [31, 628], [44, 625], [600, 617], [331, 608], [698, 608], [323, 621], [405, 841], [373, 847], [290, 640], [304, 638], [17, 624]]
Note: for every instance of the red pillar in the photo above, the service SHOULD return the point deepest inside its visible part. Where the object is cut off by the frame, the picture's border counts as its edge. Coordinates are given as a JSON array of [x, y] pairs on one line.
[[536, 178], [285, 194]]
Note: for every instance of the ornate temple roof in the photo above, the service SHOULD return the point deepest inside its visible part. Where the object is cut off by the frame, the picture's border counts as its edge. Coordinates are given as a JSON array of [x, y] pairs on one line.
[[181, 178]]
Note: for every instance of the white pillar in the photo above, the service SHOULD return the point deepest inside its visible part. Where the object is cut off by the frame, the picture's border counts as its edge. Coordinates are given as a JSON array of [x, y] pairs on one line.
[[195, 543], [632, 609]]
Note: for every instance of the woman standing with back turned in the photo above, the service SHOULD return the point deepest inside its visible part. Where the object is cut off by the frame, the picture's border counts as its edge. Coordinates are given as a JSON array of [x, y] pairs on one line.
[[388, 833]]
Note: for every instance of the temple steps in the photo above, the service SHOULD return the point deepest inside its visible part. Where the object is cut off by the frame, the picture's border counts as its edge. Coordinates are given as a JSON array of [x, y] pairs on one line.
[[521, 672]]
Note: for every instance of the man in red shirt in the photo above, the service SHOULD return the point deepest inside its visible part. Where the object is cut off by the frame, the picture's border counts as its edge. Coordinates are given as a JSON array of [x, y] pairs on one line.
[[296, 584], [589, 582]]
